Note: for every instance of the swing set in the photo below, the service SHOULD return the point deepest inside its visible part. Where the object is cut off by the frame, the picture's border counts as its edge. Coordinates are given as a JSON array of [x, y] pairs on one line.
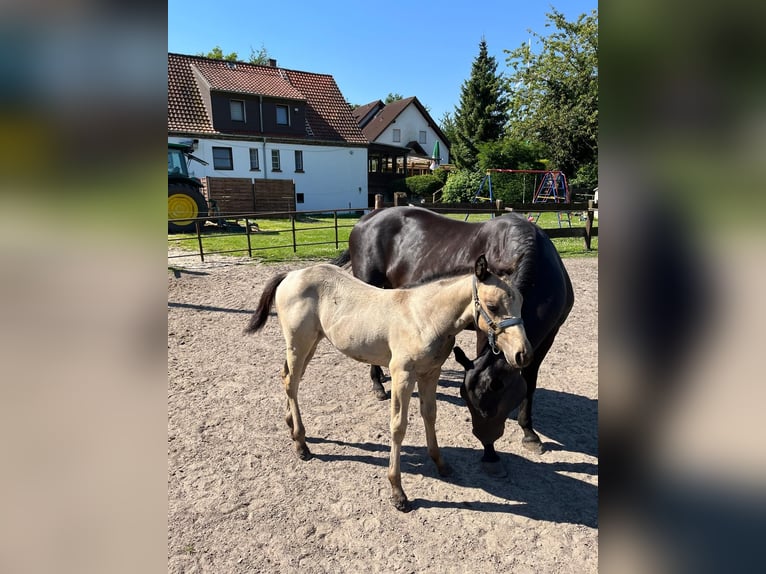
[[550, 186]]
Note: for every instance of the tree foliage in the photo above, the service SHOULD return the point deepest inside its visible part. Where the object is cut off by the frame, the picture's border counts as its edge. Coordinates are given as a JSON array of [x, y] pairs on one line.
[[481, 115], [260, 57], [391, 97], [217, 54], [553, 93], [448, 128]]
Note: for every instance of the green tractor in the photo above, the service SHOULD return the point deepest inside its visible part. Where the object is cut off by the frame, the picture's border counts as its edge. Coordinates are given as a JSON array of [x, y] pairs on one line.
[[185, 200]]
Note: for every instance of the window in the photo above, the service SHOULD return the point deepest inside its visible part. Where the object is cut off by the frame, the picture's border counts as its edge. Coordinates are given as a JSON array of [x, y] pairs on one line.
[[283, 118], [397, 135], [254, 164], [298, 160], [222, 158], [275, 163], [237, 108], [299, 198], [422, 137]]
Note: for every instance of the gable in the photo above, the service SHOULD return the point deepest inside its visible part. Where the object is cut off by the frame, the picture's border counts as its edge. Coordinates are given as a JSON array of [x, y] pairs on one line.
[[198, 88], [388, 115]]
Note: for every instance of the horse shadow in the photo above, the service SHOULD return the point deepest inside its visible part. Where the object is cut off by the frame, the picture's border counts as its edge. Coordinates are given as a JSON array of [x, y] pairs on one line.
[[569, 420], [532, 488]]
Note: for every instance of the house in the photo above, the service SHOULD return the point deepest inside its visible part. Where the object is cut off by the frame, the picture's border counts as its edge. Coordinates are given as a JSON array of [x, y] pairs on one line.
[[403, 138], [265, 128]]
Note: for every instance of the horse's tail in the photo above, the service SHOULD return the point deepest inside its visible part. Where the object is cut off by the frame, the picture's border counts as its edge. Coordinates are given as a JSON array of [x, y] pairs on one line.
[[343, 260], [261, 314]]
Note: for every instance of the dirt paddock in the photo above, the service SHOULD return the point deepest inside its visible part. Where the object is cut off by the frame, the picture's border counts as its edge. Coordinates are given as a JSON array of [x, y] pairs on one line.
[[241, 501]]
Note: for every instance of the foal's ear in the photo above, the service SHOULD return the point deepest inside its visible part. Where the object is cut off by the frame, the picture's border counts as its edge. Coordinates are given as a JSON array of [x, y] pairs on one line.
[[481, 268]]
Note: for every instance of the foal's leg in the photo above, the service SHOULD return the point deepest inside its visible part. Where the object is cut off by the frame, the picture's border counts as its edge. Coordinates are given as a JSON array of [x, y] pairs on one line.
[[295, 365], [427, 393], [402, 385]]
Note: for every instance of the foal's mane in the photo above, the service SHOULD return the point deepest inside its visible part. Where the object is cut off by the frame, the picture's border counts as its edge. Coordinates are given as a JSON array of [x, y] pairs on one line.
[[438, 276]]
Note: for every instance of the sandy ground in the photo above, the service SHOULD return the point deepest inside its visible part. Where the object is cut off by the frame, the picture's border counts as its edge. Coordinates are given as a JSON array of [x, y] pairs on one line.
[[241, 501]]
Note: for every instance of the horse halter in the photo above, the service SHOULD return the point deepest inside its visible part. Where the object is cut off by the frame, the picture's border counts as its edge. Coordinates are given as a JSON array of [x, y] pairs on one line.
[[494, 328]]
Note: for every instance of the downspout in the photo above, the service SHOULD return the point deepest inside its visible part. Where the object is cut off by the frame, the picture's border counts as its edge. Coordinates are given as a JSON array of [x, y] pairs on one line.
[[260, 112], [264, 158], [260, 118]]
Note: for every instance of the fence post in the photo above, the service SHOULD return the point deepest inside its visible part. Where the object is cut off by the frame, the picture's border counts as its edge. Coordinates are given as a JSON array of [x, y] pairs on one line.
[[335, 215], [589, 225], [247, 231], [199, 240], [295, 245], [378, 200]]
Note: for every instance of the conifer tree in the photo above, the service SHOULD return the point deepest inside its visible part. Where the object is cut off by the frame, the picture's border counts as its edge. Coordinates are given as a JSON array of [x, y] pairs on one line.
[[481, 115]]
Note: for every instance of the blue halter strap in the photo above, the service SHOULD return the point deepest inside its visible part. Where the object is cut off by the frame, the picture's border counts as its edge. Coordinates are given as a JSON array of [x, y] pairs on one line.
[[494, 328]]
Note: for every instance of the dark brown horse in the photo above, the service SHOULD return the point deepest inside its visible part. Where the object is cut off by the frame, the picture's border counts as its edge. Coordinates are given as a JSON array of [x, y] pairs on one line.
[[398, 246]]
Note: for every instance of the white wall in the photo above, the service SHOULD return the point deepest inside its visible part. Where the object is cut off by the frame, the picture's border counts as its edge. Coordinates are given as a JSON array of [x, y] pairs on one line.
[[411, 122], [333, 177]]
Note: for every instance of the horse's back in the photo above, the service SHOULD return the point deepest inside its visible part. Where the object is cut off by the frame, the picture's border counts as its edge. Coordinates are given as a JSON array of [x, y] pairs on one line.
[[398, 246], [401, 245]]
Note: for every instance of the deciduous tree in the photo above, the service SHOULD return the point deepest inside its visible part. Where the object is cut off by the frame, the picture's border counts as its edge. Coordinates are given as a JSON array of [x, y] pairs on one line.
[[553, 94]]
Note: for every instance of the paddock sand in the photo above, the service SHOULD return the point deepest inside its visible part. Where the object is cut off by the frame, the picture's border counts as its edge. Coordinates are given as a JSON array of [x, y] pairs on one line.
[[241, 501]]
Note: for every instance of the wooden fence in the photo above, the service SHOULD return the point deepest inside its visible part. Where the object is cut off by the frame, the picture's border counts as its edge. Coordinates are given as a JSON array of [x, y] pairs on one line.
[[233, 195]]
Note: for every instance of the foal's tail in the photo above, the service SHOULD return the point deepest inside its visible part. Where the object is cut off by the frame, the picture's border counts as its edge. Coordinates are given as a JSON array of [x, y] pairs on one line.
[[261, 314]]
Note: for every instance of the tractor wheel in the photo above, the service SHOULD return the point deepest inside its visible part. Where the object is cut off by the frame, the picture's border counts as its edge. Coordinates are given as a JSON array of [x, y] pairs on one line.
[[185, 203]]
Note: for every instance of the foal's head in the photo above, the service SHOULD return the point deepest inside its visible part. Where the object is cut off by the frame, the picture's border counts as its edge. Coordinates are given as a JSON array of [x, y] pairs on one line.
[[497, 311]]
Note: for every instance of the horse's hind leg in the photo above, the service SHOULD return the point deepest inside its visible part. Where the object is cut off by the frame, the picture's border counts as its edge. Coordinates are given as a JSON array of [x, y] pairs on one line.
[[292, 372], [376, 375], [402, 385], [427, 394]]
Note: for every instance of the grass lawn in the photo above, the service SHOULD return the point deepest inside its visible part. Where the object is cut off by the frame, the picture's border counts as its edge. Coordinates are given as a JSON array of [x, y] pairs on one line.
[[315, 237]]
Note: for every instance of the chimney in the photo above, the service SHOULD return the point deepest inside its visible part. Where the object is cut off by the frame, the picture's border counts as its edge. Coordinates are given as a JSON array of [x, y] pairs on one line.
[[272, 62]]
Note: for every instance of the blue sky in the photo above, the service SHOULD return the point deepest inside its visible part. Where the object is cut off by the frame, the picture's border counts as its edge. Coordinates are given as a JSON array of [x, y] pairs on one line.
[[422, 49]]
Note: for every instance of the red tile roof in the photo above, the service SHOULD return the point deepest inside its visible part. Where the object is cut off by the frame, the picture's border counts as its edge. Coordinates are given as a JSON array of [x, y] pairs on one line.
[[247, 79], [186, 111], [328, 115]]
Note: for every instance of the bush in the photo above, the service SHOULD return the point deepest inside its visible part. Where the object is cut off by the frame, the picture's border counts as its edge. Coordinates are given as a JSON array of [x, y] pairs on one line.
[[461, 186], [417, 186], [442, 174]]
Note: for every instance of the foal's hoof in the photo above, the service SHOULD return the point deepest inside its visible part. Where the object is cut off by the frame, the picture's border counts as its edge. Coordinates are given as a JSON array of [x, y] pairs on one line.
[[494, 469], [401, 503], [533, 445], [303, 453], [444, 469], [379, 392]]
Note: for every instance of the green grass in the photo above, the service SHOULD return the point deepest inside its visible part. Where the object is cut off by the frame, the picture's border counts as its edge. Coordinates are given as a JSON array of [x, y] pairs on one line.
[[273, 242], [315, 238]]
